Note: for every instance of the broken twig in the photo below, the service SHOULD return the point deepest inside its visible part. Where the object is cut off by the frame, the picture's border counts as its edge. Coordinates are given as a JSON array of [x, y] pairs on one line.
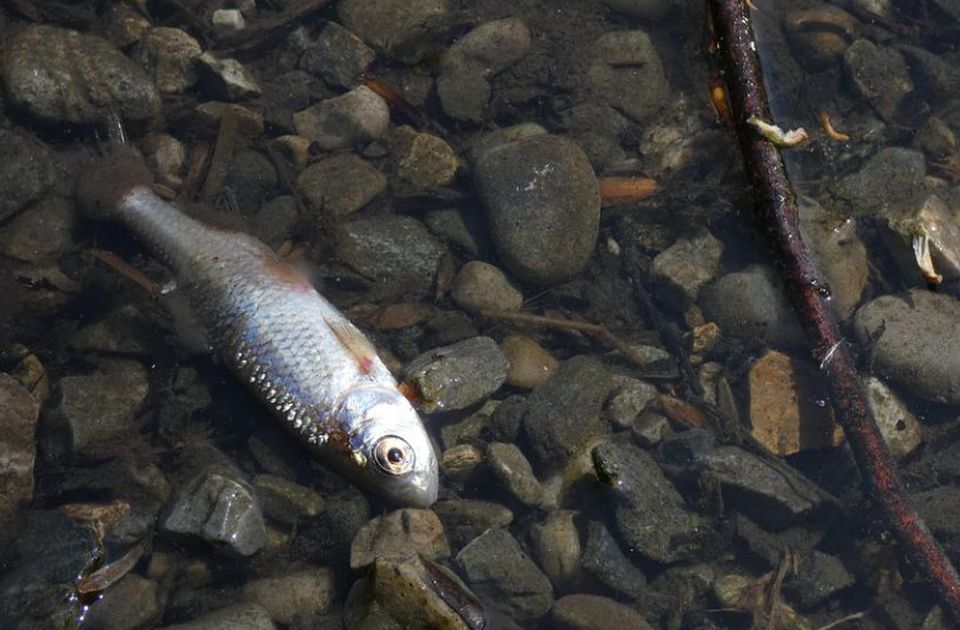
[[777, 207]]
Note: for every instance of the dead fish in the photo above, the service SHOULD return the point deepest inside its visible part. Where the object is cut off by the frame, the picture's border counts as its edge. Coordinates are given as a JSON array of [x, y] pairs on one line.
[[296, 352]]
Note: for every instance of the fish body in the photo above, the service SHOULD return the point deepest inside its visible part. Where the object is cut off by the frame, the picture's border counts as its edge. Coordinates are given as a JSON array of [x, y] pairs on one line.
[[296, 352]]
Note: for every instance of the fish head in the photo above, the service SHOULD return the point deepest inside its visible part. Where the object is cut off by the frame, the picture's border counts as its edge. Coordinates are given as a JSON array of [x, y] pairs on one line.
[[391, 452]]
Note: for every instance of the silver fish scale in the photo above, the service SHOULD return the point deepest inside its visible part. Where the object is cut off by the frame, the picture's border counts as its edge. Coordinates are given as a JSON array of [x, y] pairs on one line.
[[270, 329]]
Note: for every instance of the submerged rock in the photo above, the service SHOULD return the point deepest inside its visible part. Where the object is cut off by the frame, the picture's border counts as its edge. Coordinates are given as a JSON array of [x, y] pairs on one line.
[[302, 594], [914, 342], [513, 470], [627, 74], [459, 375], [555, 543], [651, 515], [217, 505], [682, 269], [358, 116], [890, 184], [488, 49], [766, 490], [19, 411], [396, 249], [286, 501], [93, 412], [564, 412], [543, 204], [338, 56], [790, 406], [398, 536], [59, 75], [390, 26], [235, 617], [422, 162], [133, 602], [581, 611], [751, 304], [901, 430], [169, 55], [42, 233], [818, 578], [880, 74], [26, 172], [41, 568], [481, 286], [603, 560], [530, 363], [407, 594], [465, 519], [499, 570], [342, 184]]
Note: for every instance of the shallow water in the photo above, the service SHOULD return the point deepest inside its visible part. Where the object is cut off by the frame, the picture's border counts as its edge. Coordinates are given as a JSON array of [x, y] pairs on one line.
[[679, 466]]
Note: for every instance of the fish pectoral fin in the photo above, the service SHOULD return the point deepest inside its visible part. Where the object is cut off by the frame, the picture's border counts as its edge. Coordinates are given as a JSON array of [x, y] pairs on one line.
[[354, 342]]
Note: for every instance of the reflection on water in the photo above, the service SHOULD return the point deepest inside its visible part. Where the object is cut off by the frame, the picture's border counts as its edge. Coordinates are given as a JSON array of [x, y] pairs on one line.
[[537, 215]]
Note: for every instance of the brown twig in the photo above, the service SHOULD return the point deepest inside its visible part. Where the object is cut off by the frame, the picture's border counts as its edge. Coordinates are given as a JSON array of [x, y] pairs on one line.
[[596, 330], [126, 270], [222, 153], [776, 205]]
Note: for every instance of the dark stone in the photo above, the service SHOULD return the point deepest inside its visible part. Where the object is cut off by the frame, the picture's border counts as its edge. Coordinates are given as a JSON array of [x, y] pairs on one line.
[[819, 577], [498, 570], [26, 172], [564, 412], [41, 569], [603, 560], [912, 344], [651, 516]]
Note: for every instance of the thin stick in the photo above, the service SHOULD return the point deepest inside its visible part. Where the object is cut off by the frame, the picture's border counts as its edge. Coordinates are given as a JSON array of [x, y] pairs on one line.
[[777, 207], [597, 330], [222, 153], [126, 270]]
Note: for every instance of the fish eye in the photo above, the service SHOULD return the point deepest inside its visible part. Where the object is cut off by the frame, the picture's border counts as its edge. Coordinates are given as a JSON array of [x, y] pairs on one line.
[[393, 455]]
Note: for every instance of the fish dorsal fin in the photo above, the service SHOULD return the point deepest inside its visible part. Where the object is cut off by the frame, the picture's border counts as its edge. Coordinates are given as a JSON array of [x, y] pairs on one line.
[[354, 342]]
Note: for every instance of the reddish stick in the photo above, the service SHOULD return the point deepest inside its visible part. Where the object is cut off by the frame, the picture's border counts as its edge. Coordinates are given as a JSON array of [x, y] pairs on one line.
[[776, 205]]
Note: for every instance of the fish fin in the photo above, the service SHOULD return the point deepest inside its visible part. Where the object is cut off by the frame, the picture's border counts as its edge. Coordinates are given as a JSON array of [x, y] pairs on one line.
[[355, 343]]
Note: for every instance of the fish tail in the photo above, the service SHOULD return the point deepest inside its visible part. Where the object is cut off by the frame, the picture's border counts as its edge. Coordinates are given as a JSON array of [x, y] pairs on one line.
[[103, 184]]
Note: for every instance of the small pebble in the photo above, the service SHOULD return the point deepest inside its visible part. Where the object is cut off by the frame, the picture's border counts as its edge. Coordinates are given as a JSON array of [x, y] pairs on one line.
[[236, 616], [593, 612], [530, 363], [496, 567], [301, 594], [341, 184], [338, 57], [165, 156], [286, 501], [481, 286], [227, 79], [555, 543], [227, 21], [394, 250], [511, 467], [169, 55], [422, 162], [337, 123], [459, 462], [390, 26], [457, 376], [398, 536]]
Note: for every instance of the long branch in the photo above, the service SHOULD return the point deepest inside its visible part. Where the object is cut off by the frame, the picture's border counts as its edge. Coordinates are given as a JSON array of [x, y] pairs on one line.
[[776, 205]]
